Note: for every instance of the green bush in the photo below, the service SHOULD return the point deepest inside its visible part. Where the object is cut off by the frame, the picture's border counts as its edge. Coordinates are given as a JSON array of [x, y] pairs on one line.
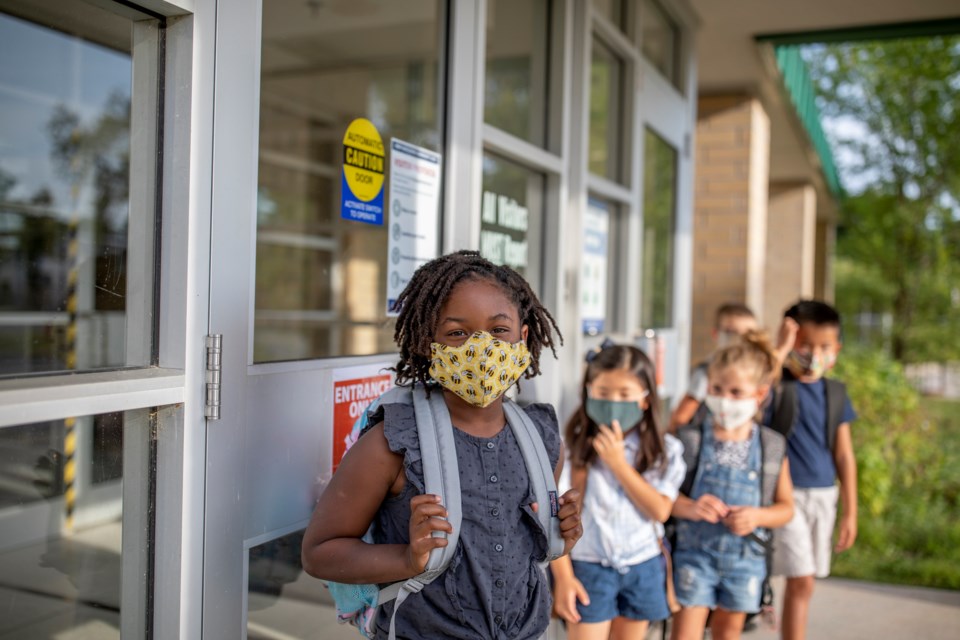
[[907, 452]]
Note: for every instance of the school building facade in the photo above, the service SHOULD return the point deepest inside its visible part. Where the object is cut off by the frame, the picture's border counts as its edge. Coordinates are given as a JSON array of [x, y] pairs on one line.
[[206, 209]]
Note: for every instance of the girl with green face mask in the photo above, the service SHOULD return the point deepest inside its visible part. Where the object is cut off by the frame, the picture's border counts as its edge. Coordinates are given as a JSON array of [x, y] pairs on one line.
[[630, 473]]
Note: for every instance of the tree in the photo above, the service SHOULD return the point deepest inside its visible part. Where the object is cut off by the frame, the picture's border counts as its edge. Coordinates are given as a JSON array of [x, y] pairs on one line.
[[97, 156], [895, 109]]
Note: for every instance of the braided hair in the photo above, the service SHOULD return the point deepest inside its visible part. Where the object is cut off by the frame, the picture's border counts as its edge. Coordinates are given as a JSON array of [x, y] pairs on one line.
[[420, 302]]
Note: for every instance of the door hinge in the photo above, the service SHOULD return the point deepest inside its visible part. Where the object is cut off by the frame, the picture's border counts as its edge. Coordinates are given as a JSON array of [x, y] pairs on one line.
[[211, 407]]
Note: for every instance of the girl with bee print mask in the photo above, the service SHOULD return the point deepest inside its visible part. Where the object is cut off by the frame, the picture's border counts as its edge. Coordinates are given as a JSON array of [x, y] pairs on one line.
[[469, 330]]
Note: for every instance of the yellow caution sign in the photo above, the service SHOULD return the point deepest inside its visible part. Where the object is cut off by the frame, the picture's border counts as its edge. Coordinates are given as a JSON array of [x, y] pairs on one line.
[[364, 162]]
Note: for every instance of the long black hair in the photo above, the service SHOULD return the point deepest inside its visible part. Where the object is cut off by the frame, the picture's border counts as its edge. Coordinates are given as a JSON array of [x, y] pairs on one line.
[[581, 429], [420, 302]]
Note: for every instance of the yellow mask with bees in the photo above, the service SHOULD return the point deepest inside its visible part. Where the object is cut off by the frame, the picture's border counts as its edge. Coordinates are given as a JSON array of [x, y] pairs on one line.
[[480, 369]]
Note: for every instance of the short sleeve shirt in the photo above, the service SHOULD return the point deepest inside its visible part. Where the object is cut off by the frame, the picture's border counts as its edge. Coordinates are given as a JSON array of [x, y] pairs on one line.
[[810, 455], [615, 532]]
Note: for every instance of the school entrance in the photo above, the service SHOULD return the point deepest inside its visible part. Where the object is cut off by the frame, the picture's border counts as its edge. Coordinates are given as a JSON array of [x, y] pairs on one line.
[[206, 210]]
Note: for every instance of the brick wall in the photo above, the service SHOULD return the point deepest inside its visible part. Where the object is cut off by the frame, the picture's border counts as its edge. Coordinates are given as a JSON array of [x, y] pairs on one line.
[[791, 248], [730, 210]]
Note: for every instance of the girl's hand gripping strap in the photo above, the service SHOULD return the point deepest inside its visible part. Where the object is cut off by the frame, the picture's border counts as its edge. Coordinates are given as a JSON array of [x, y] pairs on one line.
[[541, 475], [441, 477], [441, 472]]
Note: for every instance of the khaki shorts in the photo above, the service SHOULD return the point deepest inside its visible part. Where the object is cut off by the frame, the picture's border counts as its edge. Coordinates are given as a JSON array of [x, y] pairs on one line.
[[803, 546]]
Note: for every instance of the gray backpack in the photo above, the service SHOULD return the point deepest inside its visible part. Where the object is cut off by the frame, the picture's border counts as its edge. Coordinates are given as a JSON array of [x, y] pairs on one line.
[[357, 604]]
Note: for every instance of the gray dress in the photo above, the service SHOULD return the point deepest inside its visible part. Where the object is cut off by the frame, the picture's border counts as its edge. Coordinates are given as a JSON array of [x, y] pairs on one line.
[[493, 587]]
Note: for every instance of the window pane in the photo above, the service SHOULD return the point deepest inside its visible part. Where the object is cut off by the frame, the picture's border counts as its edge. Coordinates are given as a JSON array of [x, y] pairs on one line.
[[65, 96], [517, 67], [283, 601], [612, 10], [606, 95], [598, 265], [659, 40], [60, 525], [659, 224], [321, 280], [512, 212]]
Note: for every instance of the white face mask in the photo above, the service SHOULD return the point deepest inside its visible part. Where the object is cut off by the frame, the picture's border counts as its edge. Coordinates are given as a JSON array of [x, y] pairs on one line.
[[729, 413]]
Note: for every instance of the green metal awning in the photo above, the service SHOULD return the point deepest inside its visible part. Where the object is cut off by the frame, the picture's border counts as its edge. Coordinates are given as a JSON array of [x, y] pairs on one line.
[[799, 87]]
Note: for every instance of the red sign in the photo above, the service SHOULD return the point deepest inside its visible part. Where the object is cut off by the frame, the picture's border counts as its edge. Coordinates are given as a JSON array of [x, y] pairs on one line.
[[656, 349], [350, 399]]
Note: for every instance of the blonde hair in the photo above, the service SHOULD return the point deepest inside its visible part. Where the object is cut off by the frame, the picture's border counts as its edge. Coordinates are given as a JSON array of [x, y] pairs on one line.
[[753, 350]]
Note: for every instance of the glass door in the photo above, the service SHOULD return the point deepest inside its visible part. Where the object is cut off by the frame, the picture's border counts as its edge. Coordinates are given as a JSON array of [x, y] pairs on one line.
[[308, 210], [666, 110], [640, 107], [87, 380]]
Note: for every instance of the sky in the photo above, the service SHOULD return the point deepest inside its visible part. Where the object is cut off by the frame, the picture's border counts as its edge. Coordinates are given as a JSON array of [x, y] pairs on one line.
[[40, 69]]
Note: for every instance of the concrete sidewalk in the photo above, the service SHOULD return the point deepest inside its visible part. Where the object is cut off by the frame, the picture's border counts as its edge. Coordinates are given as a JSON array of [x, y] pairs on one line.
[[69, 589], [852, 609]]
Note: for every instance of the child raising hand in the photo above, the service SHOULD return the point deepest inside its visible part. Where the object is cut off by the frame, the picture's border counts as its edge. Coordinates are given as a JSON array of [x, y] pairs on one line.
[[455, 309]]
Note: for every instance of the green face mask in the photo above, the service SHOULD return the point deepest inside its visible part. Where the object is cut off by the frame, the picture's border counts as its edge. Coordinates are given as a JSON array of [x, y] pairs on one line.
[[627, 413]]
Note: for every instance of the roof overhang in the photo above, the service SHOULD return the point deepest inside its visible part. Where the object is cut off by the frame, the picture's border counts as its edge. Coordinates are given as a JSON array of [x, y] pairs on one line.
[[735, 54]]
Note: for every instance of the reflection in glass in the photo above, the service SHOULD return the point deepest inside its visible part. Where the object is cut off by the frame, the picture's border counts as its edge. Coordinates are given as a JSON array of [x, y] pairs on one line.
[[518, 43], [606, 127], [659, 224], [599, 265], [321, 280], [64, 184], [283, 601], [612, 10], [60, 526], [659, 39], [512, 213]]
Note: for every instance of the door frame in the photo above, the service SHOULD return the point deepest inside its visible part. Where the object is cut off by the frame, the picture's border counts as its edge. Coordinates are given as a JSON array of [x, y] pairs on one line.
[[167, 200], [234, 518]]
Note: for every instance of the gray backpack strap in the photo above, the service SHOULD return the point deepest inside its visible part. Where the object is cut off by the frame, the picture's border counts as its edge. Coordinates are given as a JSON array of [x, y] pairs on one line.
[[541, 475], [374, 411], [441, 477], [690, 436], [441, 473], [773, 447], [396, 395]]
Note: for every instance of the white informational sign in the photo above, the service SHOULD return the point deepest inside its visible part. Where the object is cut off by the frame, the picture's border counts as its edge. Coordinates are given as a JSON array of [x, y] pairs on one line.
[[414, 210], [593, 277]]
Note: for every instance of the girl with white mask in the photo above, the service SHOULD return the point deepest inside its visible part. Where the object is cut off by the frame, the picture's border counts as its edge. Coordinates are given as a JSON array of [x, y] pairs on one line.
[[736, 490]]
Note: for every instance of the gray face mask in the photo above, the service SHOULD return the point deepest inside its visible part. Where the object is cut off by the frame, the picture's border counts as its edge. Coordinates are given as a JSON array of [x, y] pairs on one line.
[[627, 413]]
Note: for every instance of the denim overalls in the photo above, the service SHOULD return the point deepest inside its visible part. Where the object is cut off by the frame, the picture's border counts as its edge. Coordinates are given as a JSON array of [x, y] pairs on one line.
[[714, 567]]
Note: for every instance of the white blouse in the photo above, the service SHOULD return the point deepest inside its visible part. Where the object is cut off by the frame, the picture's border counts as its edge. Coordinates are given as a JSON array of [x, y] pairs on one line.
[[615, 532]]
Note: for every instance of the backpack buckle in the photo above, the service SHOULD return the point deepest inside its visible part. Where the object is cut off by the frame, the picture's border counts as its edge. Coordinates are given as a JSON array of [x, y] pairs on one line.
[[413, 585]]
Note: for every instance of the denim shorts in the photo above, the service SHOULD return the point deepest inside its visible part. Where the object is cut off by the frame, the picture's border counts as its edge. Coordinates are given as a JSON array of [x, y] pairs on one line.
[[637, 592], [703, 579]]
